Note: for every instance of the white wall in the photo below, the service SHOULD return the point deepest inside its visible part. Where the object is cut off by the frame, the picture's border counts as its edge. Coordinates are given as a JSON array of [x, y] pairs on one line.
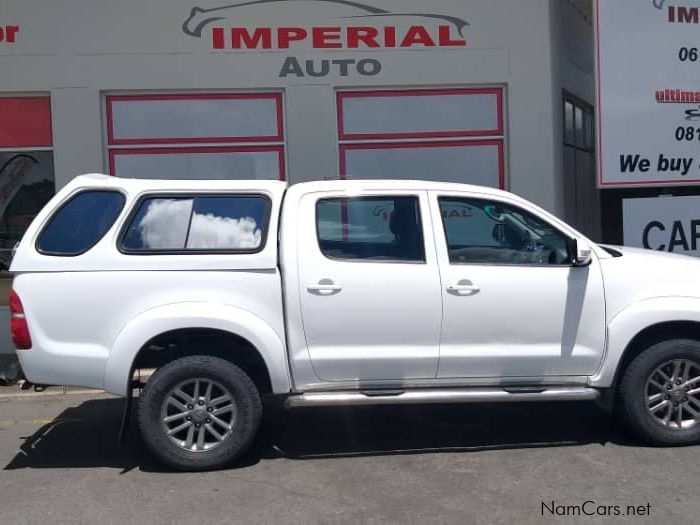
[[79, 49]]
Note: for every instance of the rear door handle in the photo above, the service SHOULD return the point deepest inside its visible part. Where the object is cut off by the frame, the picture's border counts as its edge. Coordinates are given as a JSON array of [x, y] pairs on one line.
[[324, 287], [463, 287]]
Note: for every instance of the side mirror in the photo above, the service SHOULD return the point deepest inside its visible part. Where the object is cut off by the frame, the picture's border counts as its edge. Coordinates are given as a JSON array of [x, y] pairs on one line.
[[580, 253]]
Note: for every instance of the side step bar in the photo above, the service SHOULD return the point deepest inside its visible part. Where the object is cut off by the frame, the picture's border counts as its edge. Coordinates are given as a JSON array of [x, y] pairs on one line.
[[438, 396]]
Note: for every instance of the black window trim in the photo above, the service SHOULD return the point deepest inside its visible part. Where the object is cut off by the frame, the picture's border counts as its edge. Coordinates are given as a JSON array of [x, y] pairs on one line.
[[387, 196], [485, 198], [70, 198], [194, 195]]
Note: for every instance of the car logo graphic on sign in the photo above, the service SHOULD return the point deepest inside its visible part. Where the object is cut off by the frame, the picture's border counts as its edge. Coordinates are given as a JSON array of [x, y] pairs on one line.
[[201, 17]]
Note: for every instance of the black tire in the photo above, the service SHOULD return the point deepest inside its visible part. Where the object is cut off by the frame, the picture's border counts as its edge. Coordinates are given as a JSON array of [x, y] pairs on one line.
[[240, 387], [632, 394]]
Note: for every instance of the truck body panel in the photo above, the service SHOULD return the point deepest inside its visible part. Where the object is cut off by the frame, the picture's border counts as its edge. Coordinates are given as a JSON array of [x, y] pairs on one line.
[[323, 320]]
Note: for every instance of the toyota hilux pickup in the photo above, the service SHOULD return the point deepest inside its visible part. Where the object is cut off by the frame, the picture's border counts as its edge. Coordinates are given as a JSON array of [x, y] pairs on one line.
[[342, 293]]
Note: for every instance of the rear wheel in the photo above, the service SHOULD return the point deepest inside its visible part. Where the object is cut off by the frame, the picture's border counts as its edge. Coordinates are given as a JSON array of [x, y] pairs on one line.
[[660, 393], [199, 413]]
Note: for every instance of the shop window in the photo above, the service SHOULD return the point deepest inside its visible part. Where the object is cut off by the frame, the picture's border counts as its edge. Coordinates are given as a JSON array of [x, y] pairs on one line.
[[454, 135], [224, 223], [196, 136], [569, 136], [578, 124], [26, 172], [473, 162]]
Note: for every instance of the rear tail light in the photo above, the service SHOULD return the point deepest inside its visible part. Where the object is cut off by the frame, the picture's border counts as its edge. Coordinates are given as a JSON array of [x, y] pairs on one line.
[[18, 324]]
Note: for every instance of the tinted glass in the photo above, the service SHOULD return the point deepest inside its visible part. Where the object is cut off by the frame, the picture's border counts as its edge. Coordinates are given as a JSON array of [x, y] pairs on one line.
[[216, 223], [569, 135], [493, 233], [589, 131], [578, 126], [373, 228], [26, 185], [80, 223]]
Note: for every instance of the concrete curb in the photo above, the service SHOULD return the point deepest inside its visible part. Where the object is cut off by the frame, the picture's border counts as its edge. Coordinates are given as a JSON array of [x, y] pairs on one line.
[[13, 392]]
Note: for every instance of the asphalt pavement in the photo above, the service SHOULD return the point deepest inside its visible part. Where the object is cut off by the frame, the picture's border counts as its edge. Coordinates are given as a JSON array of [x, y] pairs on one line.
[[522, 463]]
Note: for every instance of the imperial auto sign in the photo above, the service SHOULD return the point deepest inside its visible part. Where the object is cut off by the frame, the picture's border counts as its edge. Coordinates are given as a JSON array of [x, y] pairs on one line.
[[355, 30]]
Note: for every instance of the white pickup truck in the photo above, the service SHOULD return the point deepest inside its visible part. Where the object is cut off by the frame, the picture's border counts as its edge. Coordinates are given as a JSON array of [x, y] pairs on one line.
[[344, 293]]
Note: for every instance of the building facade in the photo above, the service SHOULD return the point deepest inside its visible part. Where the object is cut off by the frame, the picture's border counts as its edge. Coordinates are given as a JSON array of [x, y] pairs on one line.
[[492, 92]]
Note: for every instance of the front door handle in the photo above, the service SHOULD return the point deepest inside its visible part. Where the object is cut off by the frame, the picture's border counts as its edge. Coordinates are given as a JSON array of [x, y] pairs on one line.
[[324, 287], [463, 287]]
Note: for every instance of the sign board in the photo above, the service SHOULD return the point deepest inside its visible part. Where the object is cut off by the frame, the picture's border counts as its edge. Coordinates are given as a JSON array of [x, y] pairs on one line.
[[670, 224], [648, 54], [308, 39]]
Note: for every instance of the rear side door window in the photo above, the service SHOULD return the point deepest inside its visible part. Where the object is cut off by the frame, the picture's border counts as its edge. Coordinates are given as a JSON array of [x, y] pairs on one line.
[[196, 224], [80, 223], [371, 229]]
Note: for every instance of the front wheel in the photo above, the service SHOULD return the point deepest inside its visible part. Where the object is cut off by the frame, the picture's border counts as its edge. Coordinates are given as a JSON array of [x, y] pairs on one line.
[[199, 413], [659, 395]]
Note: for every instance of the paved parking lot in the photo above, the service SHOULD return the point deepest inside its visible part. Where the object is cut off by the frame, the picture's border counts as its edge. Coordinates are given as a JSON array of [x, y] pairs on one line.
[[456, 464]]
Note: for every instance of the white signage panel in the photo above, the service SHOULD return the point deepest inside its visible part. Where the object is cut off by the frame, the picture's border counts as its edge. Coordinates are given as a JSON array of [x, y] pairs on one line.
[[648, 91], [670, 224]]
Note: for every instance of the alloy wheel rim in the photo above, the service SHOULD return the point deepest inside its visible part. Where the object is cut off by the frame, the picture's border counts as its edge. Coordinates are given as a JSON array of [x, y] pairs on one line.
[[672, 394], [198, 415]]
